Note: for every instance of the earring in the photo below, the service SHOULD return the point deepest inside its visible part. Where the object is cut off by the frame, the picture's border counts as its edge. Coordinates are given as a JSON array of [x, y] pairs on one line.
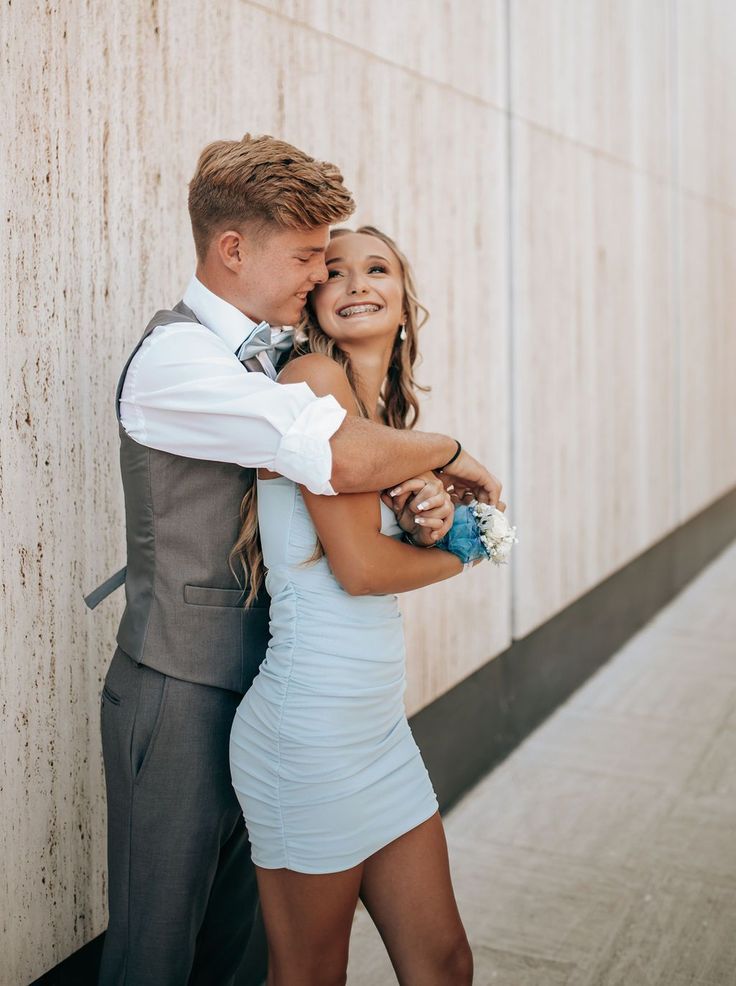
[[402, 334]]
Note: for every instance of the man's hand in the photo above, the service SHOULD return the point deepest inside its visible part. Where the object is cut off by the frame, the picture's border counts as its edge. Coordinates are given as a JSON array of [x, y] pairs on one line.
[[423, 508], [468, 480]]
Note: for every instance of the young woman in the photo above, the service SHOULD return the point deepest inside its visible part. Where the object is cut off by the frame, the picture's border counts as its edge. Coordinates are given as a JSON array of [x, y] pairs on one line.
[[337, 800]]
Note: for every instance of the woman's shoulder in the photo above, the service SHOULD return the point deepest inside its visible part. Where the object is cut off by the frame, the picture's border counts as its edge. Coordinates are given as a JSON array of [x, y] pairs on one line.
[[323, 376], [312, 366]]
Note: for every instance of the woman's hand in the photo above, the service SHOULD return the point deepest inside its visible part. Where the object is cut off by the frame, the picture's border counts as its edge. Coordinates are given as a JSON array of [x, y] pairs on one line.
[[423, 508]]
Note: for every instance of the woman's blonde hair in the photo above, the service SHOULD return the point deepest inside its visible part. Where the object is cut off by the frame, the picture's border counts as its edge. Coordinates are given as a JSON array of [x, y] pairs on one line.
[[398, 400]]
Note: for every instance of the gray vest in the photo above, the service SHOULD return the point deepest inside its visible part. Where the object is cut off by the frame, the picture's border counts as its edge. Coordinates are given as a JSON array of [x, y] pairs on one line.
[[184, 612]]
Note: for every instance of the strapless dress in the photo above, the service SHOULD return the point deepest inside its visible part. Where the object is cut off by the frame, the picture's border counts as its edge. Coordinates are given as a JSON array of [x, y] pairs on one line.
[[322, 756]]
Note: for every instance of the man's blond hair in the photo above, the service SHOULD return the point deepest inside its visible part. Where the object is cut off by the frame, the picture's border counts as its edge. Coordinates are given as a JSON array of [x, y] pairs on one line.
[[262, 183]]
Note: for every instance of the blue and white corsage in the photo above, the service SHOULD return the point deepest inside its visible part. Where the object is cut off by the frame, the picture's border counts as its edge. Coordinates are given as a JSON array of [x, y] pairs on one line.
[[479, 531]]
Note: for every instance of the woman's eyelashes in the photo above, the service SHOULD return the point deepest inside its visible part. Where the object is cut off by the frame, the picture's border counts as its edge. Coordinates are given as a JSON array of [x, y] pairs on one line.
[[373, 269]]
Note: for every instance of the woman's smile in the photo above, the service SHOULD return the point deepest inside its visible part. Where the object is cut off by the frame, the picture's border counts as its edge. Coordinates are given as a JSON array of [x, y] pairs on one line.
[[353, 309]]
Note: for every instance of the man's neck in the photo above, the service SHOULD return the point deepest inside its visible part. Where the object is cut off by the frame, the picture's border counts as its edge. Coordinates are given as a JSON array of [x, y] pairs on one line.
[[216, 287]]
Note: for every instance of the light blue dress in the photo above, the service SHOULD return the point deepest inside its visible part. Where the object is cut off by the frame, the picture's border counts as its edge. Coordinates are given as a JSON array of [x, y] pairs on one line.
[[321, 754]]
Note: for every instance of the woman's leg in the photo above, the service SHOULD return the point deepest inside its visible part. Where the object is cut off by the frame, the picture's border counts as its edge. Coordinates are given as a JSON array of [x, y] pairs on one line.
[[407, 891], [308, 918]]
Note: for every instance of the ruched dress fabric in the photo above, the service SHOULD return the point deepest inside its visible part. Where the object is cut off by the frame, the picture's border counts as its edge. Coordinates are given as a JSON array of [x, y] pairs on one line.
[[321, 753]]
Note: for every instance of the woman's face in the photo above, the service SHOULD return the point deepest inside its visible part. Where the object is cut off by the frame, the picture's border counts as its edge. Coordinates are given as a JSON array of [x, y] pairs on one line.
[[362, 299]]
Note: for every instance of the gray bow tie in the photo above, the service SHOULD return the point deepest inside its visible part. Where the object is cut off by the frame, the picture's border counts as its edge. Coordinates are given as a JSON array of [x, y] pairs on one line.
[[259, 340]]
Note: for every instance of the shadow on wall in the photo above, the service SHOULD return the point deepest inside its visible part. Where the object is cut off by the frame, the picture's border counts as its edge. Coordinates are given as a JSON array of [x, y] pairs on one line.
[[80, 969]]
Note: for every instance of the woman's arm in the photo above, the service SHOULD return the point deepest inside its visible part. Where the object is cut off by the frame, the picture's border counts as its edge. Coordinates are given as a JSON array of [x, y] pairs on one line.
[[364, 561]]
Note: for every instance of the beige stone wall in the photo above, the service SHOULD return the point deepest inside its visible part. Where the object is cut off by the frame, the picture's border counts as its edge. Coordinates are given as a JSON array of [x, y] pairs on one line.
[[623, 151], [581, 339]]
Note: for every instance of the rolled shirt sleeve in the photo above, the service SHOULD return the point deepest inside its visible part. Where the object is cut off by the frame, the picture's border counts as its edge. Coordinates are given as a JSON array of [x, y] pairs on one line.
[[187, 394], [305, 447]]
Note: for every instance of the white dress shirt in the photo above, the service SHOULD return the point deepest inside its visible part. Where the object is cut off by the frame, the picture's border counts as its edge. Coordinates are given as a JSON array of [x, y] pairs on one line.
[[186, 392]]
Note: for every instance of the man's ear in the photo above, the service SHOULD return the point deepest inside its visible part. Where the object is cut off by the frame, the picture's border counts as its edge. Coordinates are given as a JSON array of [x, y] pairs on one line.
[[232, 249]]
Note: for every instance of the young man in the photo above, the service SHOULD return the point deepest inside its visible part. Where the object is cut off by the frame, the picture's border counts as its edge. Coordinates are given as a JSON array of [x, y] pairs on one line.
[[182, 893]]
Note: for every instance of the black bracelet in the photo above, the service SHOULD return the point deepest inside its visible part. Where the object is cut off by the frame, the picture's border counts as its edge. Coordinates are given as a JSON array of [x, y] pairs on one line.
[[408, 539], [457, 453]]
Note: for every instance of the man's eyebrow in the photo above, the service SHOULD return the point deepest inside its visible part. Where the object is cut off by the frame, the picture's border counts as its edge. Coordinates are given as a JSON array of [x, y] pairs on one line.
[[314, 249]]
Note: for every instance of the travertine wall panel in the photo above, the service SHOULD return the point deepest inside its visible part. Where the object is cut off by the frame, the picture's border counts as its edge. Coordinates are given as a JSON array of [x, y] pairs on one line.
[[708, 352], [598, 73], [644, 91], [113, 105], [60, 512], [594, 435], [459, 44], [706, 94]]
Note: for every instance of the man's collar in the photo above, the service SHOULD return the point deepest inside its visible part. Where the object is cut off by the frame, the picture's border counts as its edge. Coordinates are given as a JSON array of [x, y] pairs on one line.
[[224, 319]]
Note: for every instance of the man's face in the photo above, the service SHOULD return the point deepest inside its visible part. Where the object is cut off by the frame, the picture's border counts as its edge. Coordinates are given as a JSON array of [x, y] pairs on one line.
[[278, 272]]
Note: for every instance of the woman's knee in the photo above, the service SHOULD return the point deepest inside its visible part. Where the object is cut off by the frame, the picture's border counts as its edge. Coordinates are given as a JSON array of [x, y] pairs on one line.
[[457, 963], [327, 972]]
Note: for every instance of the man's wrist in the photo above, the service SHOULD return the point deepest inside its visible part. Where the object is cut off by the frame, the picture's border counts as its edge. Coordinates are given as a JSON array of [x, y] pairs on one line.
[[449, 462], [446, 448], [407, 538]]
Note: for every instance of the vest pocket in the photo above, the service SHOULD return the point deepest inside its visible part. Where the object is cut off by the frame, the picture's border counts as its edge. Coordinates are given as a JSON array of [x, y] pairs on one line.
[[203, 595], [110, 696]]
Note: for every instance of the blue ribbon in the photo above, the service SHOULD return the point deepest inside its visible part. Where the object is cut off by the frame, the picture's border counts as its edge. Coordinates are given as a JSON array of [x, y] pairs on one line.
[[463, 538]]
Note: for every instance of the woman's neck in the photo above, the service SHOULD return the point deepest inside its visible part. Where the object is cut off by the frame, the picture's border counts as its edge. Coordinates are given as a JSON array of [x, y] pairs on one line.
[[370, 367]]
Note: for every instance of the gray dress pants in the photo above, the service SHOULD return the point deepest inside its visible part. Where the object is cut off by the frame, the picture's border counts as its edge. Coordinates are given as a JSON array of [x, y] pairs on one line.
[[182, 890]]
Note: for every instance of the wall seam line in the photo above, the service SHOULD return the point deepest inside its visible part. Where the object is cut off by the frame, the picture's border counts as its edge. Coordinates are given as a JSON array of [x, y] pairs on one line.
[[676, 258], [487, 103], [373, 55], [510, 311]]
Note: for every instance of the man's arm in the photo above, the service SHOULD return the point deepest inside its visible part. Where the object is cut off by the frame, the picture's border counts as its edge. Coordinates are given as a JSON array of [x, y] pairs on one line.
[[366, 452], [187, 394], [371, 456], [368, 456]]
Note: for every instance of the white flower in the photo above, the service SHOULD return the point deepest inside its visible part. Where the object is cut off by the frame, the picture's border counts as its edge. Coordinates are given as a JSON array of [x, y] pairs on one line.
[[501, 552], [496, 533], [499, 526]]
